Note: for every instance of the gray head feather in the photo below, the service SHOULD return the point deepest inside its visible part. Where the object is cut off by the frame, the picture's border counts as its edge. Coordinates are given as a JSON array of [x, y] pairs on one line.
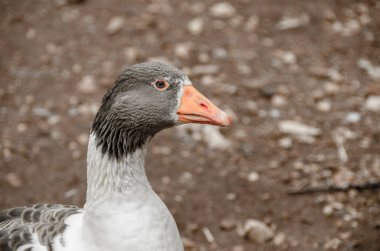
[[133, 111]]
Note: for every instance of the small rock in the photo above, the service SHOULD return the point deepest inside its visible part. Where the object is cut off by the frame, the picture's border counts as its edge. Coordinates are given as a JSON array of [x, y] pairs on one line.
[[372, 70], [186, 178], [238, 248], [115, 25], [131, 54], [293, 22], [188, 244], [279, 239], [22, 127], [331, 88], [285, 142], [330, 73], [207, 233], [251, 24], [183, 50], [243, 68], [352, 117], [211, 135], [286, 57], [222, 10], [297, 128], [279, 101], [209, 69], [70, 193], [31, 34], [257, 231], [82, 139], [54, 119], [162, 150], [219, 53], [87, 84], [251, 106], [195, 26], [13, 179], [332, 244], [343, 177], [41, 112], [231, 196], [324, 106], [328, 210], [227, 224], [373, 103], [253, 177], [214, 138]]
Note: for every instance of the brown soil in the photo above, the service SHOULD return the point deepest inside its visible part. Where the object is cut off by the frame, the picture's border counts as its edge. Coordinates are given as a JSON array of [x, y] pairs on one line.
[[47, 48]]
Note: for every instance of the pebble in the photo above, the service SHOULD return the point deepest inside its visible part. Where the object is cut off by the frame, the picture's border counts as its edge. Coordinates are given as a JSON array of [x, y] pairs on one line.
[[115, 25], [251, 106], [253, 177], [352, 117], [279, 101], [227, 224], [372, 70], [210, 135], [331, 88], [131, 54], [324, 106], [251, 24], [186, 178], [238, 248], [257, 231], [183, 50], [243, 68], [214, 139], [82, 139], [209, 69], [219, 53], [209, 236], [286, 57], [13, 179], [70, 193], [188, 244], [332, 244], [297, 128], [373, 103], [22, 127], [31, 34], [328, 210], [222, 10], [279, 239], [195, 26], [87, 84], [293, 22], [41, 111], [330, 73], [285, 142]]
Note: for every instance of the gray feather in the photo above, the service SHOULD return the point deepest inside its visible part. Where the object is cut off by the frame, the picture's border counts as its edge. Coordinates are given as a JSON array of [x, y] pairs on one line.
[[45, 220]]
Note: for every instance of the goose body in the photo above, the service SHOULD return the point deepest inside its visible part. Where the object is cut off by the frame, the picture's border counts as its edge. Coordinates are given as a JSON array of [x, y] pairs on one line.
[[122, 212]]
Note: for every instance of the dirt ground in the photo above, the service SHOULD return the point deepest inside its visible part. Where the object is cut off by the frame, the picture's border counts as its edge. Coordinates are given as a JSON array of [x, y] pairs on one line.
[[271, 64]]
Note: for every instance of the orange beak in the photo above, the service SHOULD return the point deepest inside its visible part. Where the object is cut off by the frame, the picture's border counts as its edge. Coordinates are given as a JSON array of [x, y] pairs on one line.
[[196, 108]]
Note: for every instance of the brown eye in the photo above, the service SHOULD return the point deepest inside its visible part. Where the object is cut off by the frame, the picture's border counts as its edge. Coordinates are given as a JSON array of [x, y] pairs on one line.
[[161, 85]]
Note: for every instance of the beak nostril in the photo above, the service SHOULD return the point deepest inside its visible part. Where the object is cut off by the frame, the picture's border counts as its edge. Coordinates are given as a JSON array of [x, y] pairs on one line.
[[204, 106]]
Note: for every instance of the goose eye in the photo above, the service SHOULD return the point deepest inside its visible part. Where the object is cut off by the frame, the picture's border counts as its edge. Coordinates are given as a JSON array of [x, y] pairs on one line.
[[161, 85]]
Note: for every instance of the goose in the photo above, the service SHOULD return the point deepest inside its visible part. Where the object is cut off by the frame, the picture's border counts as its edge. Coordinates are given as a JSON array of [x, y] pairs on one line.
[[122, 212]]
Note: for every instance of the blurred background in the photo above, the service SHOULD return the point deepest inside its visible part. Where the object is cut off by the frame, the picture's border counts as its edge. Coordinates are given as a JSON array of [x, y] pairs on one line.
[[300, 78]]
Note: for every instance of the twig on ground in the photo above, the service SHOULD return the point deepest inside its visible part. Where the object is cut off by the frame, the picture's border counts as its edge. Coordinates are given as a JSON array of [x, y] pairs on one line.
[[332, 189]]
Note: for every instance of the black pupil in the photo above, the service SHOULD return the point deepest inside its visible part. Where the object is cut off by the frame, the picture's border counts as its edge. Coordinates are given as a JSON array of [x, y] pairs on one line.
[[160, 84]]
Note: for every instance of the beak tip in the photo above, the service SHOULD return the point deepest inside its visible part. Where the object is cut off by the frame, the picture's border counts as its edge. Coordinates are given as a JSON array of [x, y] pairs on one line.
[[225, 120]]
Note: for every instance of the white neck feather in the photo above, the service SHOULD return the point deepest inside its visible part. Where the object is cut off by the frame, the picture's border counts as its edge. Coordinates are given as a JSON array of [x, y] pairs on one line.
[[108, 177], [122, 212]]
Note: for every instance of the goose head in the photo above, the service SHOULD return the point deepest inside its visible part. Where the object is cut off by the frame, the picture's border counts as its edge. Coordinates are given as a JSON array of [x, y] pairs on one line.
[[145, 99]]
